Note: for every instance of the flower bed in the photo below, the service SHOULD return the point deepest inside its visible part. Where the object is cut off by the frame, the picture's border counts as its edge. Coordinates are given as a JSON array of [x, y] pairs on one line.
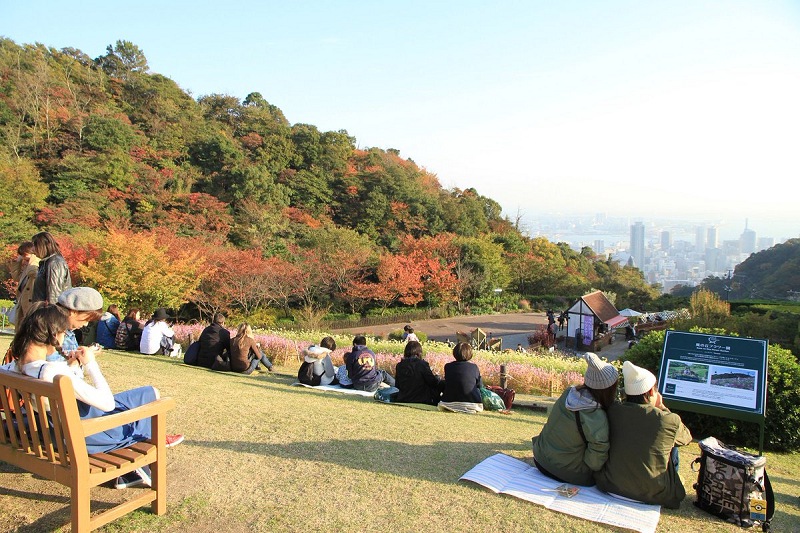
[[527, 374]]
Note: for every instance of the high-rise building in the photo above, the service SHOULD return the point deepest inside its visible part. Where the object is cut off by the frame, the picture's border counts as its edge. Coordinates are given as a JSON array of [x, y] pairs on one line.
[[747, 241], [637, 245], [700, 239], [666, 241], [599, 246], [711, 237]]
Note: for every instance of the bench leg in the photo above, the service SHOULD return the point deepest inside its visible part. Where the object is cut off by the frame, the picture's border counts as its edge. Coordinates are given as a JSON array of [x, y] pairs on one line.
[[79, 505], [159, 468]]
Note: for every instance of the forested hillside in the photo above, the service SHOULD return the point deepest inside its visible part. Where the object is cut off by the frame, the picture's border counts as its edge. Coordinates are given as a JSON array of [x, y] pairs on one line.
[[158, 198]]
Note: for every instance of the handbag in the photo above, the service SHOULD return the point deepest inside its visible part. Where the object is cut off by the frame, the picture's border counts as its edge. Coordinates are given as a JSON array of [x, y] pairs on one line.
[[13, 313], [507, 395]]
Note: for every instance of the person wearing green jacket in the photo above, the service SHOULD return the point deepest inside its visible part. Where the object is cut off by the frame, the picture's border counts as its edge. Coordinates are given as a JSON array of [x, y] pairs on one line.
[[574, 443], [645, 435]]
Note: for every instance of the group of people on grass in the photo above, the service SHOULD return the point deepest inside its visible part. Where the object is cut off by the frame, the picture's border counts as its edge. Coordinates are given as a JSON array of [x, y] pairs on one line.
[[459, 389], [48, 313], [628, 448], [217, 350]]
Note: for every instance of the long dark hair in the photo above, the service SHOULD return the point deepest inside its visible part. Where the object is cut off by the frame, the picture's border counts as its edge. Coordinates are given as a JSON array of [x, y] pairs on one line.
[[45, 245], [412, 349], [604, 397], [41, 325]]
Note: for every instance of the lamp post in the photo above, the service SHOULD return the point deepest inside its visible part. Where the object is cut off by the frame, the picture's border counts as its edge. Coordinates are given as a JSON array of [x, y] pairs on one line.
[[497, 296]]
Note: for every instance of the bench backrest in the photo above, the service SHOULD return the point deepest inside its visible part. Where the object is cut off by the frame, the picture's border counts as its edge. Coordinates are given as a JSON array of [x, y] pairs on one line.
[[48, 442]]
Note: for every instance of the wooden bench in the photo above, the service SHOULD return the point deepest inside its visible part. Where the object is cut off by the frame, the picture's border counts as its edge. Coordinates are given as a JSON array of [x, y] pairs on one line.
[[52, 444]]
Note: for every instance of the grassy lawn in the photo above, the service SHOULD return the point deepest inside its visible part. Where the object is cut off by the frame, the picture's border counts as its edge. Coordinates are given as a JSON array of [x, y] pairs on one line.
[[261, 455]]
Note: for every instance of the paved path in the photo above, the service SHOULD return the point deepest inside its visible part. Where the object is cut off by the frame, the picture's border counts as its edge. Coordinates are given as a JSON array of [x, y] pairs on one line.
[[513, 328]]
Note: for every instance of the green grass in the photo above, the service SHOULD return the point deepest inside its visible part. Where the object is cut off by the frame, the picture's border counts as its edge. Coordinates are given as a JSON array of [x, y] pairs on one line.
[[261, 455]]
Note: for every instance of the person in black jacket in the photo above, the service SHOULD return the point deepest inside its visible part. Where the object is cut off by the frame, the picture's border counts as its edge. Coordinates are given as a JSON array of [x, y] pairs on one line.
[[215, 341], [462, 379], [53, 277], [415, 379]]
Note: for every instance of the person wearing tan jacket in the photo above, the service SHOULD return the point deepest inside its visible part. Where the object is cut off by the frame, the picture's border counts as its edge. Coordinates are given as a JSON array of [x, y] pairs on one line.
[[24, 269]]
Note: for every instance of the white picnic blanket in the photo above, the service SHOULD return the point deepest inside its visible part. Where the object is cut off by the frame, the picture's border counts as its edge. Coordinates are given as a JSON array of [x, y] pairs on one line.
[[337, 388], [503, 474]]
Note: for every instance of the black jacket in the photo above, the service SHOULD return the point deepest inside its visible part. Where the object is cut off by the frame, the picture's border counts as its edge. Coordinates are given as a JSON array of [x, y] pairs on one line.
[[52, 279], [214, 340], [416, 381], [462, 381]]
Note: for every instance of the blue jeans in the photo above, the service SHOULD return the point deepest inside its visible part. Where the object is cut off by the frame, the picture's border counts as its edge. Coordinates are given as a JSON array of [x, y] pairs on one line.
[[254, 364], [385, 377]]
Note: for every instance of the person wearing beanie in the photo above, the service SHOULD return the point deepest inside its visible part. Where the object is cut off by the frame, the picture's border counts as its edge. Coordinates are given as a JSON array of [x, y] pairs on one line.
[[645, 435], [574, 443]]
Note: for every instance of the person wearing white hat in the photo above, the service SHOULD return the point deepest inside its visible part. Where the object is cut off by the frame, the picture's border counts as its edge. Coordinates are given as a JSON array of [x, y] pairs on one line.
[[574, 444], [643, 461], [317, 367]]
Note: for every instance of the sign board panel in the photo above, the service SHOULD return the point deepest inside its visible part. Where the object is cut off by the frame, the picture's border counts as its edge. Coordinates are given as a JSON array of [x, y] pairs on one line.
[[716, 373]]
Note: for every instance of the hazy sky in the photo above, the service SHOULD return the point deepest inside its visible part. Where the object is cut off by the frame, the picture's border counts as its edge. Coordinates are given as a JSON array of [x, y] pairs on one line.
[[640, 109]]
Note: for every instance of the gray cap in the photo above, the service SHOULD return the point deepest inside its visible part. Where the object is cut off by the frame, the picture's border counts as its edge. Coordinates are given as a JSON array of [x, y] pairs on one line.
[[81, 299], [599, 374]]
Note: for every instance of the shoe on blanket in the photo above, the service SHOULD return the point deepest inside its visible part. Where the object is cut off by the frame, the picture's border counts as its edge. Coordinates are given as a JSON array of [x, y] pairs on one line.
[[137, 478], [174, 440]]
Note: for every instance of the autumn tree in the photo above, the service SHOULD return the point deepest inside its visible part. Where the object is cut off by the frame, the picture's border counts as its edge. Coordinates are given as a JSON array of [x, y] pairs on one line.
[[137, 270], [21, 194]]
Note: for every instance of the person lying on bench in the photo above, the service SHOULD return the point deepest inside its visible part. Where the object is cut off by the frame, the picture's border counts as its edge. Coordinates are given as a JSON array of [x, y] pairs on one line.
[[40, 334]]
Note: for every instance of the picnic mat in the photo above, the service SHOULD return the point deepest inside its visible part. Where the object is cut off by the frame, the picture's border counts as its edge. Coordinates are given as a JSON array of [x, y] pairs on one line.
[[337, 388], [503, 474]]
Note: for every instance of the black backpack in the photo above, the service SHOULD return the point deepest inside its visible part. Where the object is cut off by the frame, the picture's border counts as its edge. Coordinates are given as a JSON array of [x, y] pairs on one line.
[[306, 375]]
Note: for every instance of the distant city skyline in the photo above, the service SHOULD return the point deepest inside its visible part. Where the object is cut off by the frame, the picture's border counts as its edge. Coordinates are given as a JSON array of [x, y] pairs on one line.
[[686, 109]]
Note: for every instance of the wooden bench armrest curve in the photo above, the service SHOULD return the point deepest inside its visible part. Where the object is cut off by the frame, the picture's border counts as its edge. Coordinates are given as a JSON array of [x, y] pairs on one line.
[[96, 425]]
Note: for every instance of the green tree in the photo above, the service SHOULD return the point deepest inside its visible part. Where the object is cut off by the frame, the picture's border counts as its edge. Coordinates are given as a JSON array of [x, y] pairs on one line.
[[22, 193]]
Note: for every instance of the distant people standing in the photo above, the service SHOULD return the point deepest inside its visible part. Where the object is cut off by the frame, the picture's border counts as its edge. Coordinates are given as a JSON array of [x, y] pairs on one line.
[[561, 318], [53, 276], [24, 269]]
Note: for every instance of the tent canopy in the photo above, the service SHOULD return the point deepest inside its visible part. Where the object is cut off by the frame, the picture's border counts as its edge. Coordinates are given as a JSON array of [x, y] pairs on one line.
[[629, 312]]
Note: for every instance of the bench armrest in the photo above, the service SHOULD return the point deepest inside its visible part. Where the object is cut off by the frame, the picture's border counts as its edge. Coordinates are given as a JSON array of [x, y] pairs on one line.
[[96, 425]]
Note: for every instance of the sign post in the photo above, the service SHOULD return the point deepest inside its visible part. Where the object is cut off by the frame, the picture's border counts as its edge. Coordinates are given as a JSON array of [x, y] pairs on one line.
[[715, 375]]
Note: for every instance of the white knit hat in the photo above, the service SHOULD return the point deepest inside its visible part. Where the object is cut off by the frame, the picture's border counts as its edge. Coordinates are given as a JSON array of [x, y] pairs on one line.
[[599, 374], [637, 380]]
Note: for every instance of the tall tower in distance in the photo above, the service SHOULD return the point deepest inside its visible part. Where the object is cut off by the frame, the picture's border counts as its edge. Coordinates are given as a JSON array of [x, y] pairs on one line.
[[637, 245], [666, 241], [700, 239], [711, 237], [747, 241]]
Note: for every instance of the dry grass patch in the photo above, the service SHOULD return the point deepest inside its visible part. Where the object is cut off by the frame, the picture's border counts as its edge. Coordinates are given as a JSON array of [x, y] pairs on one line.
[[261, 455]]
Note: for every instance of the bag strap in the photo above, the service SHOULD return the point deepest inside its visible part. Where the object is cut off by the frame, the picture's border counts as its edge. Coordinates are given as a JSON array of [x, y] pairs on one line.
[[770, 502], [580, 427]]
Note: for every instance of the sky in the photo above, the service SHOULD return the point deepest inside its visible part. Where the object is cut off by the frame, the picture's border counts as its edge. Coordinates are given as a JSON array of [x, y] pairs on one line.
[[685, 109]]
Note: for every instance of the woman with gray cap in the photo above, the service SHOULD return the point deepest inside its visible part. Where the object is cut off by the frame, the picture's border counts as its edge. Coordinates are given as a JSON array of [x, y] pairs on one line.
[[574, 442]]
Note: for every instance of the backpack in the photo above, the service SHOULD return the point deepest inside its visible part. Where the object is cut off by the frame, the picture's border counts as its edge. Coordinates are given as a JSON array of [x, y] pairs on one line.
[[507, 395], [733, 485], [306, 375]]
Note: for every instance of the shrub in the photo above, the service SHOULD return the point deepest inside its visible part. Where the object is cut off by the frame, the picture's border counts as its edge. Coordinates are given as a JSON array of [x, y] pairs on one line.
[[782, 426]]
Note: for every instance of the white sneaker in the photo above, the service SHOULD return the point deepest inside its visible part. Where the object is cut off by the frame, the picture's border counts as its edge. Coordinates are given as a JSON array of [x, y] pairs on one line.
[[133, 479]]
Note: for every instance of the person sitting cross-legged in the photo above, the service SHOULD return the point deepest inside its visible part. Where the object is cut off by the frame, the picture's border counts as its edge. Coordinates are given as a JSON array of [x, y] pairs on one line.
[[362, 367], [415, 379], [644, 436], [573, 443], [462, 383], [246, 354], [215, 341]]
